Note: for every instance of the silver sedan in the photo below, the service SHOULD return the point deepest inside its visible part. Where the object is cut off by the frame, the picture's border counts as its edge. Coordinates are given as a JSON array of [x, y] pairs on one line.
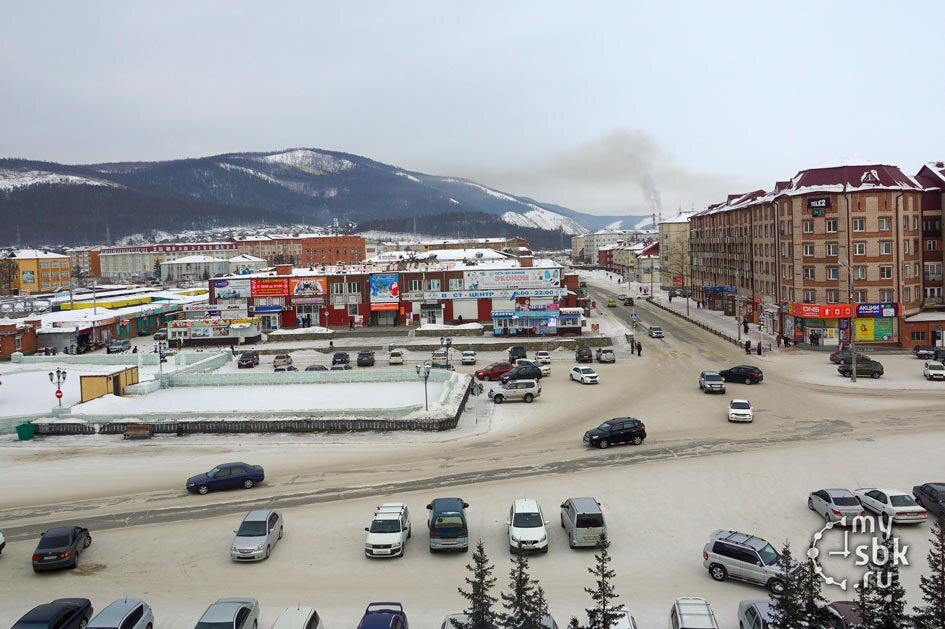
[[835, 504], [257, 535]]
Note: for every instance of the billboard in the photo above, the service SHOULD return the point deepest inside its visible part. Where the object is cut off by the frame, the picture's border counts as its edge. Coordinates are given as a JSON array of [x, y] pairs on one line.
[[486, 279], [877, 310], [270, 287], [307, 287], [231, 289], [384, 288]]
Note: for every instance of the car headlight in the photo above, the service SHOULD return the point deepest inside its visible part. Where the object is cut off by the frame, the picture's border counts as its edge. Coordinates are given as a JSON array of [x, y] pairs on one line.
[[234, 548], [595, 436], [395, 545], [260, 547], [515, 539], [544, 538]]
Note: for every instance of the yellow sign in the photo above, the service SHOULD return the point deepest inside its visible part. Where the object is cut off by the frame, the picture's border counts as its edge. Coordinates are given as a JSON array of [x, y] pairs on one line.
[[864, 329]]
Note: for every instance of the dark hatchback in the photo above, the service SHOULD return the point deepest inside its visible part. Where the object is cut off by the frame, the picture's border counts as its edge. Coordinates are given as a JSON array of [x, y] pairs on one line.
[[248, 359], [616, 431], [932, 497], [365, 358], [340, 358], [584, 355], [226, 476], [845, 357], [742, 373], [384, 616], [62, 613], [869, 368], [60, 548], [522, 372]]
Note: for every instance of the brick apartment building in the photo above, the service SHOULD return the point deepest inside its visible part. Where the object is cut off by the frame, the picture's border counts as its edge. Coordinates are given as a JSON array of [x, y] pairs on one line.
[[304, 249], [830, 247]]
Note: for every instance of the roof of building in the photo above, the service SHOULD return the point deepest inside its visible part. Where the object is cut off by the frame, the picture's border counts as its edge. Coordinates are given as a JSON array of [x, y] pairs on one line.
[[33, 254], [245, 257], [682, 217], [441, 255], [198, 259]]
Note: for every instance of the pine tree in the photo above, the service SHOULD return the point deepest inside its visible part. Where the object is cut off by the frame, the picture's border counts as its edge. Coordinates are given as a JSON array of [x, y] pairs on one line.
[[809, 585], [574, 624], [518, 603], [932, 614], [479, 597], [787, 609], [603, 594], [887, 597], [866, 601], [539, 607]]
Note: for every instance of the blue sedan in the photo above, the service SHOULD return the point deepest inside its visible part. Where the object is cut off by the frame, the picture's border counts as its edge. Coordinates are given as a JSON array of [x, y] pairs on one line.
[[226, 476]]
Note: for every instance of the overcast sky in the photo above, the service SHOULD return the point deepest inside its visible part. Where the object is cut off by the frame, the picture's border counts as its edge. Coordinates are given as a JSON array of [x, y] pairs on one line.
[[579, 103]]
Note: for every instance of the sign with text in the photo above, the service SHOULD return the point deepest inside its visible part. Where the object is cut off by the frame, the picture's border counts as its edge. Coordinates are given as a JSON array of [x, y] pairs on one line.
[[307, 287], [822, 311], [818, 203], [231, 289], [497, 279], [270, 286], [485, 294], [877, 310]]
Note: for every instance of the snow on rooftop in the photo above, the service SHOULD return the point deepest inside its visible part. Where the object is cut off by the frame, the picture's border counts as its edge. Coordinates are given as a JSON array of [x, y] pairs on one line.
[[196, 259], [31, 254]]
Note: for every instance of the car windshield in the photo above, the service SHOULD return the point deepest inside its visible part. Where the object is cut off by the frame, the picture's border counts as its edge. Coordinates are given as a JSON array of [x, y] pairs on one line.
[[448, 522], [385, 526], [605, 427], [246, 355], [54, 541], [252, 529], [936, 367], [587, 370], [741, 406], [713, 377], [902, 500], [768, 554], [845, 501], [527, 520]]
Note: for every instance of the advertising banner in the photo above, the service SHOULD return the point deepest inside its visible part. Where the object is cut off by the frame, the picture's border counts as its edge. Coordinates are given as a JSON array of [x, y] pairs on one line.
[[864, 330], [485, 294], [270, 286], [877, 310], [822, 311], [307, 287], [487, 279], [384, 288], [231, 289], [878, 329]]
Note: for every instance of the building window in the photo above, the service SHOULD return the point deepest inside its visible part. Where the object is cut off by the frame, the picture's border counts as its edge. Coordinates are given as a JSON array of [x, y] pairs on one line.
[[337, 288], [885, 272], [354, 287], [931, 245], [905, 246], [885, 247], [915, 221], [859, 272], [859, 224], [352, 309], [415, 286], [832, 249], [917, 335], [808, 250], [859, 296], [906, 269], [885, 295], [808, 227], [831, 226], [833, 297], [808, 296], [885, 223], [808, 272], [433, 284], [859, 248], [18, 343], [907, 294], [456, 283], [833, 272], [932, 292]]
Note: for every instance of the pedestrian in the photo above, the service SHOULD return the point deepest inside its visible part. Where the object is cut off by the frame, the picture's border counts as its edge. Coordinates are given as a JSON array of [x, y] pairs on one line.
[[745, 326], [779, 341], [759, 348], [747, 348], [135, 350], [351, 323], [639, 348]]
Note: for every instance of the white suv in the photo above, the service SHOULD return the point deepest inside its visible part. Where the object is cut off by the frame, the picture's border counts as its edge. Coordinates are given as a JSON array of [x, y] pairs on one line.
[[527, 525], [389, 531], [526, 390], [934, 370]]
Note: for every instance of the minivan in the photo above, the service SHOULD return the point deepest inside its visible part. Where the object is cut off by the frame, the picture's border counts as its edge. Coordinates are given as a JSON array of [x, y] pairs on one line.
[[117, 347], [692, 613], [447, 524], [583, 521]]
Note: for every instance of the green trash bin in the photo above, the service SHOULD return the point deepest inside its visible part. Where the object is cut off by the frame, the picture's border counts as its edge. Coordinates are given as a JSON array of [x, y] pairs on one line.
[[25, 432]]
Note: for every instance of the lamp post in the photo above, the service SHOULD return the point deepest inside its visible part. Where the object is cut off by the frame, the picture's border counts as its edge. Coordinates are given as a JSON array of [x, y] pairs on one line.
[[447, 343], [160, 348], [852, 329], [424, 372], [57, 378]]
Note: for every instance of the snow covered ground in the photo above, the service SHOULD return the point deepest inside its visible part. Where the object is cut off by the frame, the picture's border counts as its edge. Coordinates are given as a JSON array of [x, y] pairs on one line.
[[297, 331]]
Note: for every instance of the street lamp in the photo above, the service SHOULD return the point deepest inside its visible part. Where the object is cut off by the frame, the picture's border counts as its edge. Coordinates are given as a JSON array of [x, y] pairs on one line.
[[424, 372], [447, 343], [160, 348], [58, 377], [852, 329]]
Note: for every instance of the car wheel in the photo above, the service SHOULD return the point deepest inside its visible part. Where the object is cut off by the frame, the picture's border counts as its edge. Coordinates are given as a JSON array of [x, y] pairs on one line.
[[486, 378], [248, 483], [747, 380], [281, 530], [884, 517], [409, 532], [75, 562], [562, 520], [810, 504], [203, 490], [268, 550], [717, 572], [571, 377], [529, 397], [875, 375], [84, 623], [846, 374], [497, 399], [637, 440], [776, 587], [88, 541], [603, 444]]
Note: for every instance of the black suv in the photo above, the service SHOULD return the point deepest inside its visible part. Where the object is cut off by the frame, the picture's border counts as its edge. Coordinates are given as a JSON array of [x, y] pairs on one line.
[[923, 351], [742, 373], [870, 368], [365, 358], [522, 372], [616, 431], [516, 352], [340, 358], [584, 355]]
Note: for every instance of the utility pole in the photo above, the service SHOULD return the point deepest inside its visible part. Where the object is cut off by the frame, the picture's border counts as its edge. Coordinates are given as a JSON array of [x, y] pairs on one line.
[[852, 330]]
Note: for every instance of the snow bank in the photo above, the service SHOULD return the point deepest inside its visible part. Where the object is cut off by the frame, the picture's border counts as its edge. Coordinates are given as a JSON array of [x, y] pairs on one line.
[[446, 327], [298, 331]]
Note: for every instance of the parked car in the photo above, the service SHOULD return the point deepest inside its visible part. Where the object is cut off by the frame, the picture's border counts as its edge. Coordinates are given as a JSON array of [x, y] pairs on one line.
[[248, 359], [606, 355], [656, 332], [527, 527], [931, 496], [3, 543], [870, 368], [316, 368], [525, 390], [934, 370], [389, 531], [284, 368], [341, 367], [231, 613], [545, 369], [543, 357], [117, 347], [365, 358], [395, 357], [493, 371], [440, 359], [584, 375], [615, 432], [734, 555], [754, 614], [740, 411], [845, 357], [340, 358], [628, 301], [845, 615], [257, 535], [160, 335], [892, 504], [584, 355], [226, 476], [299, 617], [447, 525], [583, 521], [62, 613], [383, 616], [517, 351], [468, 357], [281, 360], [611, 303], [742, 373], [711, 382], [923, 351], [125, 613], [60, 547], [834, 504], [692, 613]]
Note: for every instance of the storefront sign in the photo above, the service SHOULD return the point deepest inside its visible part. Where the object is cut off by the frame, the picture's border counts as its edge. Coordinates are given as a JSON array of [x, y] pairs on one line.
[[486, 294], [816, 203], [383, 307], [296, 301], [486, 279], [718, 289], [384, 288], [231, 289], [878, 329], [822, 311], [270, 287], [307, 287], [877, 310]]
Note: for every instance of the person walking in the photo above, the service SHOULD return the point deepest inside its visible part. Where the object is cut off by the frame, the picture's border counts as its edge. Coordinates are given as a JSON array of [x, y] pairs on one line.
[[639, 348], [748, 348], [759, 348], [351, 323], [779, 341]]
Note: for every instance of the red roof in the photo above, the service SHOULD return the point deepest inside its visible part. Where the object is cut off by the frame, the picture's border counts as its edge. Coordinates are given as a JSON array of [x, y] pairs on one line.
[[851, 177]]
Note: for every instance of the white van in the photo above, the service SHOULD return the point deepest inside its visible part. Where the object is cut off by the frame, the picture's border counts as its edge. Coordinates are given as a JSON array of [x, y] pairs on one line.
[[299, 618], [692, 613]]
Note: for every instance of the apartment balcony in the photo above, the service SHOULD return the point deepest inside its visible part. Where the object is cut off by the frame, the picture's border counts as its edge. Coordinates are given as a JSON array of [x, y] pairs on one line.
[[932, 277], [931, 301]]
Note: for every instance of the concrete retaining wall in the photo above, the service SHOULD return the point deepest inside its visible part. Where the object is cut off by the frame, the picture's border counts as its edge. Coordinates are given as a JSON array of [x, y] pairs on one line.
[[87, 359], [451, 333]]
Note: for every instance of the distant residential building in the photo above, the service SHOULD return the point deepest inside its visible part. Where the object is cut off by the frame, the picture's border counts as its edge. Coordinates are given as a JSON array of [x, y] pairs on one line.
[[584, 248], [675, 266], [303, 249], [29, 271], [192, 268], [245, 263], [85, 261], [141, 262], [648, 264], [497, 244]]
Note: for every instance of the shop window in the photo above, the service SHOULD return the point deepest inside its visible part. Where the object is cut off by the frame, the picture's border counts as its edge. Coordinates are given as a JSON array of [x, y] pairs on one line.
[[917, 335]]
